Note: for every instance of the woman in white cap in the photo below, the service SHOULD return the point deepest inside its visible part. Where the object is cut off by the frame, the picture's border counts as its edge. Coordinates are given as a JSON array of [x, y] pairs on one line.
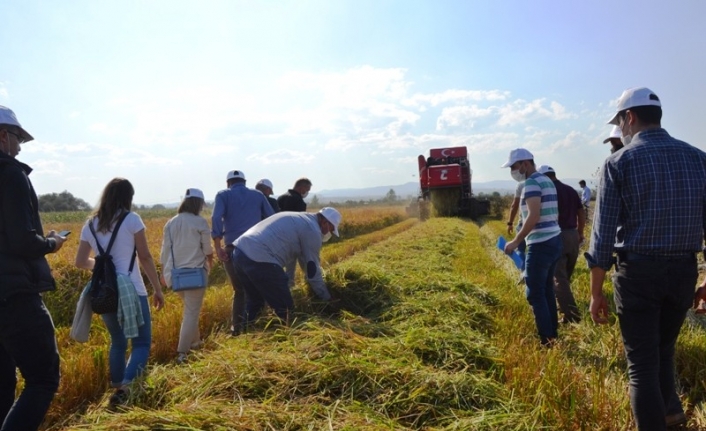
[[187, 244]]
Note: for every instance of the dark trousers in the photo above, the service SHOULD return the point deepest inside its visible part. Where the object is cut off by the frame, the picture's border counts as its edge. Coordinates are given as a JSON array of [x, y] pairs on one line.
[[27, 342], [238, 313], [539, 277], [562, 275], [651, 299], [263, 283]]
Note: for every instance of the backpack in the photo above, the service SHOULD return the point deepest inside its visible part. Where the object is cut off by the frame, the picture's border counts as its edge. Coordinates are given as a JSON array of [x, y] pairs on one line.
[[104, 280]]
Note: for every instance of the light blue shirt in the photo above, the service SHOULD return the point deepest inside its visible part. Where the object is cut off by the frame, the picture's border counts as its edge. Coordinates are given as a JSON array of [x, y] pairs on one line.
[[236, 210], [285, 238]]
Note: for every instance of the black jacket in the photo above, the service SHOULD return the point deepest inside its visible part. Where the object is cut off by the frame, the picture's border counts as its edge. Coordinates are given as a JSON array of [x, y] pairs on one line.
[[291, 201], [23, 267], [273, 203]]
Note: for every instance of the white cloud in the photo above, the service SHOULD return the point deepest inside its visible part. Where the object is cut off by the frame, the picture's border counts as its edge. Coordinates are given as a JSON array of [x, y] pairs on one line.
[[456, 96], [521, 111], [461, 116], [281, 156]]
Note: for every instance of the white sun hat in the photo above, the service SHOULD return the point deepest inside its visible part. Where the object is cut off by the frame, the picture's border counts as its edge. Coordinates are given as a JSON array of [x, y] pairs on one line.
[[516, 155], [632, 97], [7, 117]]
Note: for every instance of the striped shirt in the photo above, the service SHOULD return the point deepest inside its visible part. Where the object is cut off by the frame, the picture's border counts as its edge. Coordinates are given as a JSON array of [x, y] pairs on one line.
[[538, 185], [655, 191]]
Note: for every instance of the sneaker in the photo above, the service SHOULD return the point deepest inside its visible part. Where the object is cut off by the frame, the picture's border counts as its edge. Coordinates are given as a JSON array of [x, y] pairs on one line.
[[182, 359], [119, 397]]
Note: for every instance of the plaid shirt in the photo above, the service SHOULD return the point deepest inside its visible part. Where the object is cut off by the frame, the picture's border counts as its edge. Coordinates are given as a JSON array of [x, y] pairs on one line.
[[655, 190]]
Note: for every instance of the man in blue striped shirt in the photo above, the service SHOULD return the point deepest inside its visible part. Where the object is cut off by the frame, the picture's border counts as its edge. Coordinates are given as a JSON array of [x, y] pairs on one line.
[[540, 230], [654, 190], [235, 210]]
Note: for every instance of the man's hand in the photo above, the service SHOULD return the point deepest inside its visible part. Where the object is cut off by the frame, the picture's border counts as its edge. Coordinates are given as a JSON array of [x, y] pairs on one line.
[[59, 240], [222, 255], [510, 228], [599, 309], [511, 246]]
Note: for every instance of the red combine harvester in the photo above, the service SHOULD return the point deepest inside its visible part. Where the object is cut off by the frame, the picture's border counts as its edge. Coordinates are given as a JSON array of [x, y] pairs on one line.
[[445, 182]]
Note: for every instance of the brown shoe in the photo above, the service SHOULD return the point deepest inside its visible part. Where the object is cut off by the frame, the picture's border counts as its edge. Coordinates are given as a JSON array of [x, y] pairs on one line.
[[675, 419]]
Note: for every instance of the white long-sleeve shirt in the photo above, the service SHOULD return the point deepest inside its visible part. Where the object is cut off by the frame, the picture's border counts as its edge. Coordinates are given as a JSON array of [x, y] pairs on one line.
[[285, 238], [585, 195], [189, 236]]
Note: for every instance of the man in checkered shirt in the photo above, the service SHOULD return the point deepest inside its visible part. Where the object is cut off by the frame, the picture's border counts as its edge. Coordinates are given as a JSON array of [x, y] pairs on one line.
[[655, 190]]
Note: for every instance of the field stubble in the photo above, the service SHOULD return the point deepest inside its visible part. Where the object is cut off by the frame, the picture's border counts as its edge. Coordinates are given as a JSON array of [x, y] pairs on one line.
[[433, 334]]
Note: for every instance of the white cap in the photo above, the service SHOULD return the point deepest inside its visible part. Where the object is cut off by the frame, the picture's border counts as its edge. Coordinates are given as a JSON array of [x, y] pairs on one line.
[[545, 169], [516, 155], [333, 216], [615, 133], [235, 175], [193, 193], [7, 117], [632, 97], [265, 182]]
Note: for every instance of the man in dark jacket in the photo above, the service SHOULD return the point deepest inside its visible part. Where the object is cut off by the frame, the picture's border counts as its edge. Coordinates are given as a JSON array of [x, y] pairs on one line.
[[293, 200], [27, 339], [572, 220], [265, 187]]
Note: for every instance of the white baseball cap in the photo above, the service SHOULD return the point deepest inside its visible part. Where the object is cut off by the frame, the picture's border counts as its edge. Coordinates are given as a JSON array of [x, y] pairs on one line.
[[7, 117], [632, 97], [333, 216], [615, 133], [235, 175], [545, 169], [193, 193], [516, 155], [265, 182]]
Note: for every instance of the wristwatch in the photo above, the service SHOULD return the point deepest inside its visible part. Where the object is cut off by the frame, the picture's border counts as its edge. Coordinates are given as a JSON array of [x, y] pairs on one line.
[[509, 223]]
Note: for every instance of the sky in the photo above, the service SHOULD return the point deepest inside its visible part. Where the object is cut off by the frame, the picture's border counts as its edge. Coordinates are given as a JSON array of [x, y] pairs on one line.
[[173, 94]]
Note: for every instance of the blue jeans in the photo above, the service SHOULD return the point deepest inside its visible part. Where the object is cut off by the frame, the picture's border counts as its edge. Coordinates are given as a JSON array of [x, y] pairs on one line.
[[651, 299], [121, 372], [263, 283], [539, 277], [27, 342]]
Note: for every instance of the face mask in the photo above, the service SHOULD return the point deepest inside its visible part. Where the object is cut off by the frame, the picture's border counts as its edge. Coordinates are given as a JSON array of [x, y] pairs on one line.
[[305, 195], [326, 237], [517, 176]]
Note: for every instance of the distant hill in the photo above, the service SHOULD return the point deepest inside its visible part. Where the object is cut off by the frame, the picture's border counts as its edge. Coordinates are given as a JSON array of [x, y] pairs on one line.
[[410, 189]]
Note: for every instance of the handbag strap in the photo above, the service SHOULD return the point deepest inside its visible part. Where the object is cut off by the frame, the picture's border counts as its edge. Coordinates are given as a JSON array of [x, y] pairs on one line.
[[112, 240], [171, 246]]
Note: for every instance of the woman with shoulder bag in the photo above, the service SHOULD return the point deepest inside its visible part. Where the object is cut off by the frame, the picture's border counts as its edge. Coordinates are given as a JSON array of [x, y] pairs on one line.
[[187, 257], [130, 243]]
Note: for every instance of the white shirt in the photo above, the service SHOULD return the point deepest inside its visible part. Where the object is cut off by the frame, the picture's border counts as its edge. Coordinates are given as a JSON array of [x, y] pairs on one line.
[[585, 195], [189, 237], [123, 246]]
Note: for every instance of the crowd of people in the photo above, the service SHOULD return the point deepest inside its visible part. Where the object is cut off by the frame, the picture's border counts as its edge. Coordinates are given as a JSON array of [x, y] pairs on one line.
[[649, 222], [258, 239]]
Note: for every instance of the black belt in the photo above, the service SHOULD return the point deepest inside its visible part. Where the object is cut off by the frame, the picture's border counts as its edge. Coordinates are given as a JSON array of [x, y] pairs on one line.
[[629, 256]]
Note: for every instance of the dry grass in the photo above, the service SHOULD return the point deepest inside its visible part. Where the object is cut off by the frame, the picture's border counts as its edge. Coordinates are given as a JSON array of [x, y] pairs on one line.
[[433, 333]]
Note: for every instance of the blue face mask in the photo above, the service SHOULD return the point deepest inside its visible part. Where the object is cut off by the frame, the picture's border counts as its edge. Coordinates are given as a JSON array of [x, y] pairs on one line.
[[326, 237]]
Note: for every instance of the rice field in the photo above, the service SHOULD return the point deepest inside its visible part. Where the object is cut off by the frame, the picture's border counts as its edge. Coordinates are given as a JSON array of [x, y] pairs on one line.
[[433, 333]]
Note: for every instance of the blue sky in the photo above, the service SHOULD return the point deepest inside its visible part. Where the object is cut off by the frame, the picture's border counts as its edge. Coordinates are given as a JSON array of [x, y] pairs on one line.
[[173, 94]]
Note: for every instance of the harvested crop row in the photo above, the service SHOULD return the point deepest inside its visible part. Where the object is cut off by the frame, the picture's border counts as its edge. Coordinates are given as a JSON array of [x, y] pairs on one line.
[[411, 350]]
